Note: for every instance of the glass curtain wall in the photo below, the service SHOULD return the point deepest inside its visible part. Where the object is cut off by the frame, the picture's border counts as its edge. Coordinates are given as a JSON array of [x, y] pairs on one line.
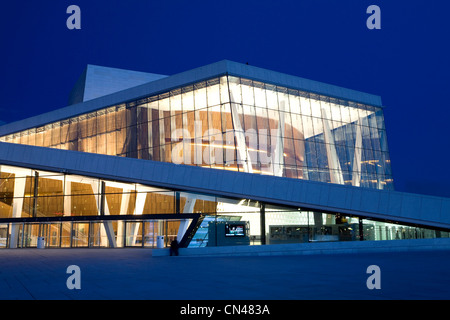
[[236, 124], [26, 193], [284, 225]]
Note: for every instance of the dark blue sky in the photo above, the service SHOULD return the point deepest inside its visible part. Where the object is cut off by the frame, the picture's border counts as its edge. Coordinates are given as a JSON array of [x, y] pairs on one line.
[[406, 62]]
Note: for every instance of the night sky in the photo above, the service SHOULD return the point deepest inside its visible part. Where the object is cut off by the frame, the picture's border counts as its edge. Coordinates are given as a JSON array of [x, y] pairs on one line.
[[406, 62]]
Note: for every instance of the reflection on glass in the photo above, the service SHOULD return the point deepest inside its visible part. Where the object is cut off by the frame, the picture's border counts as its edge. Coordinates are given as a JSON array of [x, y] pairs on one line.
[[280, 131], [80, 234], [34, 193]]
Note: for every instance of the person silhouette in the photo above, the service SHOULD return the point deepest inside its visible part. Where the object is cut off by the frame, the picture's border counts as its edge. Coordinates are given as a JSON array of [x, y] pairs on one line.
[[174, 247]]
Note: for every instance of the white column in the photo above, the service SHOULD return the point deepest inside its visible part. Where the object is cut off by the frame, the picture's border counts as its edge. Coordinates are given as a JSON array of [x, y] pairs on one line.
[[382, 161], [109, 230], [19, 192], [356, 167], [106, 229], [333, 161], [243, 153], [278, 152], [150, 132], [67, 197], [198, 141], [138, 210], [184, 224], [123, 210]]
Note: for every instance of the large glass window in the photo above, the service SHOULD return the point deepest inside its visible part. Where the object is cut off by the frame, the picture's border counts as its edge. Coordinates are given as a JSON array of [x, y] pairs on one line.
[[266, 129], [39, 194]]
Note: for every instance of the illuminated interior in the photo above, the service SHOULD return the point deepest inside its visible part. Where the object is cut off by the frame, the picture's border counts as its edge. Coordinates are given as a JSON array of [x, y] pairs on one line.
[[225, 122], [79, 211], [236, 124]]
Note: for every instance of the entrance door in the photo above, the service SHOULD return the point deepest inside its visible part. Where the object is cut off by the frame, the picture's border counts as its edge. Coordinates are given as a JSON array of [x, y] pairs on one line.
[[4, 235], [53, 235], [66, 231], [30, 234], [80, 234], [150, 233], [98, 237], [133, 234]]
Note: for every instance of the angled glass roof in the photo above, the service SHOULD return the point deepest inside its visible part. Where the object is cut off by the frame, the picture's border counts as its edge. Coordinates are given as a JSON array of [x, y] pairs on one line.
[[189, 77]]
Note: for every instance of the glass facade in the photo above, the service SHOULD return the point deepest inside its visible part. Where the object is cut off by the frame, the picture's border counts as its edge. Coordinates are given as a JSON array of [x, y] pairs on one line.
[[71, 211], [226, 122], [235, 124], [74, 204]]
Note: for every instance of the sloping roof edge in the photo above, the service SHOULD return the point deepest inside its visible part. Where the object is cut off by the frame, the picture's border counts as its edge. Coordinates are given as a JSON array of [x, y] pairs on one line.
[[188, 77], [380, 204]]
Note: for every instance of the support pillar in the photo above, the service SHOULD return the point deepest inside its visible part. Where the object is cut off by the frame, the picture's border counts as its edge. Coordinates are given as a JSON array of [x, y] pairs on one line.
[[19, 192], [356, 167], [278, 153], [35, 193], [67, 197], [123, 210], [382, 162], [184, 224], [241, 146], [262, 212], [106, 229], [361, 230], [138, 210], [334, 165]]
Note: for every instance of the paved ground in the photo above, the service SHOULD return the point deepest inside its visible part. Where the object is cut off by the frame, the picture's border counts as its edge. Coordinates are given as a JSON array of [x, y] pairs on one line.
[[134, 274]]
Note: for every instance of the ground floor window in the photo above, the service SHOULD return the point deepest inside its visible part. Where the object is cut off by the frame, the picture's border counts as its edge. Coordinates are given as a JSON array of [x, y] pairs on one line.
[[89, 234], [279, 225], [274, 225]]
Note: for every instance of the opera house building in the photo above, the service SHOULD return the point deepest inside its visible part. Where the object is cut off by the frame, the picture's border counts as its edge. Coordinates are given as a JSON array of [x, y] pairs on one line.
[[224, 154]]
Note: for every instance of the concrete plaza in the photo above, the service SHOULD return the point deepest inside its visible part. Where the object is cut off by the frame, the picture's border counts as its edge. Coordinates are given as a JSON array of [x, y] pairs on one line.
[[135, 274]]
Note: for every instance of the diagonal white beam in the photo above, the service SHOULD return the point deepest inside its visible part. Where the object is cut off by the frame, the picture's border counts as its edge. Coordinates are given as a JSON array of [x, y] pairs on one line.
[[278, 152], [138, 210], [356, 167], [67, 197], [334, 165], [106, 230], [184, 224], [125, 201], [382, 161], [19, 192], [242, 149]]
